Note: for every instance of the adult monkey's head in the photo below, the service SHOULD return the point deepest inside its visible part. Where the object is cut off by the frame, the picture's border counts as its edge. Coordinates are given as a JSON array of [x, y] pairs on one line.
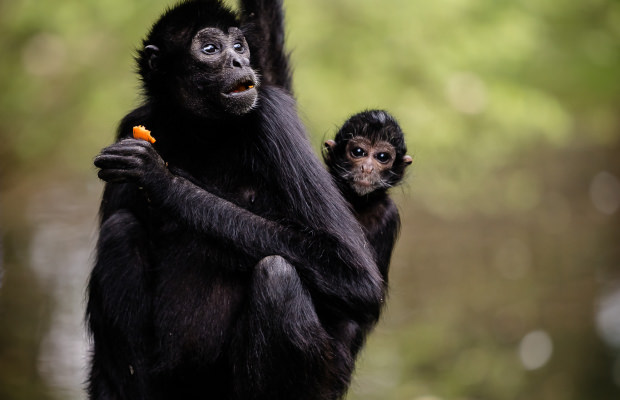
[[196, 58]]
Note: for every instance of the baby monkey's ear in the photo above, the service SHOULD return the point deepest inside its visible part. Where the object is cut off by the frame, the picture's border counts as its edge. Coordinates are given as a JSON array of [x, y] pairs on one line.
[[407, 160], [328, 146]]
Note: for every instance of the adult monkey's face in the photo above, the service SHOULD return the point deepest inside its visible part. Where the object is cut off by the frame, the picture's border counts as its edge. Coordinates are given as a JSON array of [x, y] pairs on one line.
[[219, 77]]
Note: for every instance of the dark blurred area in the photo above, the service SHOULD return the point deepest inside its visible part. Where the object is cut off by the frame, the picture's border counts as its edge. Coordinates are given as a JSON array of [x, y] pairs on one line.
[[505, 283]]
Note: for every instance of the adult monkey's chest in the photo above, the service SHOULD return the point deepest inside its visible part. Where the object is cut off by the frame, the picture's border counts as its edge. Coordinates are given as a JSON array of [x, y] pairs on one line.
[[196, 305], [238, 184], [203, 270]]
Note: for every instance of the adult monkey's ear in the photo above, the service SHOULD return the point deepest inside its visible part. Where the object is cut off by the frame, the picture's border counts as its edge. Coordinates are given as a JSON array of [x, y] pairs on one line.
[[407, 160], [152, 52]]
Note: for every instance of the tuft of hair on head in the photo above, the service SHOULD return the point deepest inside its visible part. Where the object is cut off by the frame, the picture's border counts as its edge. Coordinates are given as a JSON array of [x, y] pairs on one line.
[[375, 125]]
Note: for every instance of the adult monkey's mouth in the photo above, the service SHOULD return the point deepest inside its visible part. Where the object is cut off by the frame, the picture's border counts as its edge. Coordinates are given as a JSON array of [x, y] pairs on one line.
[[241, 86], [241, 95]]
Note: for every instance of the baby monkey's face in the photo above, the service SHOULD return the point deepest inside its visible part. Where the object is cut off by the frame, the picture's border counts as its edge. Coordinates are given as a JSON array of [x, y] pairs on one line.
[[371, 163]]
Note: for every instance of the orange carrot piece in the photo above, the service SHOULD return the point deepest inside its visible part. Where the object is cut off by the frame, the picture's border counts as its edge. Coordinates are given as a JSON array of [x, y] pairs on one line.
[[140, 132]]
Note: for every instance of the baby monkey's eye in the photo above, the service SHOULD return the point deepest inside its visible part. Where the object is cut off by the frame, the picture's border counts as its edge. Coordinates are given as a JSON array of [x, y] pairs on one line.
[[358, 152], [383, 157]]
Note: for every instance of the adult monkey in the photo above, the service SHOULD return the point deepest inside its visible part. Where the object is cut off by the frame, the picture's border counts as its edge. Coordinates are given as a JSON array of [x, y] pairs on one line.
[[233, 269]]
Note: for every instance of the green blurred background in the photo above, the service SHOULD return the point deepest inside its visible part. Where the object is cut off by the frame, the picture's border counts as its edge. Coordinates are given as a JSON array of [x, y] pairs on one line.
[[506, 278]]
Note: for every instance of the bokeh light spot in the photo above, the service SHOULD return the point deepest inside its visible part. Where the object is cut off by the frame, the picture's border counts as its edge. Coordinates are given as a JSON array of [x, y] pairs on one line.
[[535, 349], [467, 93], [605, 192], [608, 319], [44, 55]]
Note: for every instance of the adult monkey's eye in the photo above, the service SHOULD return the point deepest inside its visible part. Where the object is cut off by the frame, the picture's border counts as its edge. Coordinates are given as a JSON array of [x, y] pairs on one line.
[[383, 157], [209, 49], [239, 48], [358, 152]]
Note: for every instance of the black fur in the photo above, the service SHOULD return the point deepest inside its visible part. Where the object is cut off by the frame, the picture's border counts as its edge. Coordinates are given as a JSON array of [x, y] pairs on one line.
[[375, 211], [228, 264]]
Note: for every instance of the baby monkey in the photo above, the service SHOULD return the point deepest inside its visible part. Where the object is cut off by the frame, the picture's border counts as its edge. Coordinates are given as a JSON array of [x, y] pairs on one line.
[[365, 159]]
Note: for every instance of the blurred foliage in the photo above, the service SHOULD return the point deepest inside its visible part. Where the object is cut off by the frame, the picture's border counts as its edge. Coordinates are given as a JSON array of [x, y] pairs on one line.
[[510, 111], [473, 81]]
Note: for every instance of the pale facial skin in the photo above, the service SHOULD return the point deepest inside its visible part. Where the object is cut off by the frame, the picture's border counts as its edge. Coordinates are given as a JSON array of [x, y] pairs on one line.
[[220, 72], [370, 163]]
